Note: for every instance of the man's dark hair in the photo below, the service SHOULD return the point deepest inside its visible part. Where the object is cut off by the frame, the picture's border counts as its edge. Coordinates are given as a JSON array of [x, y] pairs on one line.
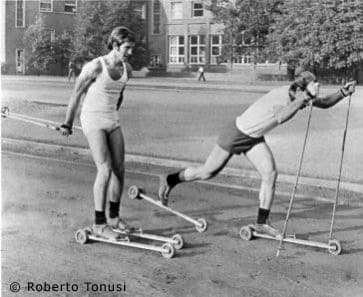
[[120, 35], [301, 81]]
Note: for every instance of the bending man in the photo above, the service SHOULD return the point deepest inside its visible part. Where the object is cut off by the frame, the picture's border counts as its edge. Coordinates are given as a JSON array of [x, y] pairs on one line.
[[245, 134]]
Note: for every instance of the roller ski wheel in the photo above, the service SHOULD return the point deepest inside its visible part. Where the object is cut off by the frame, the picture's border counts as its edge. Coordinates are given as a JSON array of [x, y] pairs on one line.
[[203, 225], [334, 247], [246, 233], [134, 192], [82, 236], [168, 251], [178, 241], [4, 111]]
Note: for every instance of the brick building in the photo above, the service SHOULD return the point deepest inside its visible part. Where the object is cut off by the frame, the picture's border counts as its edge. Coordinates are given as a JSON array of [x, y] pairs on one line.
[[58, 16], [180, 33]]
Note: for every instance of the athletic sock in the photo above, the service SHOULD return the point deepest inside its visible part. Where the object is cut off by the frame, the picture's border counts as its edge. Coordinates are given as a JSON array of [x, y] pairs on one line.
[[262, 215], [100, 217], [173, 179], [114, 209]]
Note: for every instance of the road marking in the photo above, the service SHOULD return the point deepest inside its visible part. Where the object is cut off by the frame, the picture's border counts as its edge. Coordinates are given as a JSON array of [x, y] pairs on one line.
[[210, 183]]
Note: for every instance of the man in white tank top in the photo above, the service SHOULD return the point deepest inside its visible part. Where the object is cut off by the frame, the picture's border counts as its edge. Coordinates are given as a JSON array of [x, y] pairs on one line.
[[102, 82], [245, 134]]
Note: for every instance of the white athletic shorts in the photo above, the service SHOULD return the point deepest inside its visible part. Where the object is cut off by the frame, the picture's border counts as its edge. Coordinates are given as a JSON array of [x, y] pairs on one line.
[[92, 121]]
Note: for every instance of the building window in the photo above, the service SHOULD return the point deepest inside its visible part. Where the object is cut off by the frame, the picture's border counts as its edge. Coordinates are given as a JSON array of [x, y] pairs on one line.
[[156, 17], [141, 11], [176, 50], [197, 49], [198, 10], [215, 48], [155, 61], [45, 5], [20, 14], [176, 10], [19, 62], [70, 6]]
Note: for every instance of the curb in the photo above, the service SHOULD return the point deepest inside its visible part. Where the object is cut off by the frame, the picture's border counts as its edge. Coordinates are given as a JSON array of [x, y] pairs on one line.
[[34, 147]]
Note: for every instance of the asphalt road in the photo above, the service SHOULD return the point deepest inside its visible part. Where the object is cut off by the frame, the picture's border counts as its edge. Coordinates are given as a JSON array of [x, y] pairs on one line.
[[44, 201], [184, 124]]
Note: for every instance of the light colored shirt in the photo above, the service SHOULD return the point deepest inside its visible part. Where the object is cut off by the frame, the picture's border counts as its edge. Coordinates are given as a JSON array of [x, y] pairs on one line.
[[260, 117], [103, 94]]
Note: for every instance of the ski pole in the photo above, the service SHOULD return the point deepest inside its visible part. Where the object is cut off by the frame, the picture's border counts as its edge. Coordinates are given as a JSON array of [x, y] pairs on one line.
[[340, 169], [36, 121], [296, 181]]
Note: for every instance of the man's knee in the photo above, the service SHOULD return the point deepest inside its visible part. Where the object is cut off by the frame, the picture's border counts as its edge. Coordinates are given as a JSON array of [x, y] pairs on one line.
[[207, 174], [104, 170]]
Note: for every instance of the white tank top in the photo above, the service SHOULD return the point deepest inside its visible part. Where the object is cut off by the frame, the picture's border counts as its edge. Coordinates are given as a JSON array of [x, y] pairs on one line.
[[103, 94]]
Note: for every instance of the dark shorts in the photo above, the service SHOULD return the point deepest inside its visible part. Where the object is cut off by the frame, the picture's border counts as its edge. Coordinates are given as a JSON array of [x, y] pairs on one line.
[[236, 142]]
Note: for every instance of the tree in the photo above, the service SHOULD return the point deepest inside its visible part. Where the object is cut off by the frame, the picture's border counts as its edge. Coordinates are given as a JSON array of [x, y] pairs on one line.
[[63, 49], [44, 48], [95, 21], [246, 25], [319, 35], [38, 42]]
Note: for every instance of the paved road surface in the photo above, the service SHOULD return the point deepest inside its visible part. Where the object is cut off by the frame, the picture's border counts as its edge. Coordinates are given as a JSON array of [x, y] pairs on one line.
[[184, 124], [45, 201]]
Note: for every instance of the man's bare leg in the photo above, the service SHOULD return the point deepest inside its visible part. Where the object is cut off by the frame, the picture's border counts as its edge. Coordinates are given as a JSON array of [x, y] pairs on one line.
[[101, 155], [261, 157], [116, 184], [215, 162]]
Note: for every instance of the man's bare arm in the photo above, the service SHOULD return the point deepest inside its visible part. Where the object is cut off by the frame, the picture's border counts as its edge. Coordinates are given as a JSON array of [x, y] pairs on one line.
[[328, 101], [332, 99], [86, 78], [121, 97]]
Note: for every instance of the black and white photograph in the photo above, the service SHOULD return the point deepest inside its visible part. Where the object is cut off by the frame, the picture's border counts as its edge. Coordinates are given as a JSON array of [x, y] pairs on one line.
[[181, 148]]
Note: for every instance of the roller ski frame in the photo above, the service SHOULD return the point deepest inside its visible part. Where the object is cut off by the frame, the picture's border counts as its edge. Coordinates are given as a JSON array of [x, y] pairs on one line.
[[333, 246], [135, 192], [176, 240], [84, 235]]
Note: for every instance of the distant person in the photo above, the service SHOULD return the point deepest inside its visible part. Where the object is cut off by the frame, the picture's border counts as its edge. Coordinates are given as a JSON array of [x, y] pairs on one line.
[[71, 70], [245, 134], [102, 82], [201, 73]]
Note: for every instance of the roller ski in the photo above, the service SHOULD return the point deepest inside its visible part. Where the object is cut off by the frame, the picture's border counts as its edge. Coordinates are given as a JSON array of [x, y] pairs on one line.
[[108, 235], [262, 231], [250, 231], [135, 192], [124, 229], [176, 240]]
